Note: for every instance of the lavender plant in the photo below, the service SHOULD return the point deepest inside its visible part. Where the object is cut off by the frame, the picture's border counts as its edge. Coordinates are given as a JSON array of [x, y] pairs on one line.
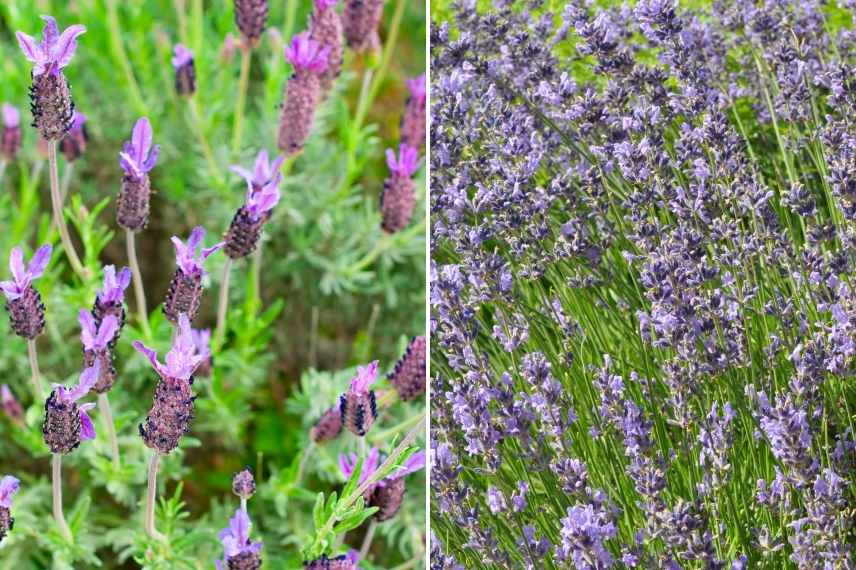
[[641, 309]]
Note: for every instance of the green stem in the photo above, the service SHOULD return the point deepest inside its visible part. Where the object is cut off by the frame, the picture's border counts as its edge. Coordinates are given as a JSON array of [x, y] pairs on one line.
[[367, 541], [243, 83], [223, 305], [38, 390], [59, 217], [56, 480], [151, 497], [388, 433], [122, 56]]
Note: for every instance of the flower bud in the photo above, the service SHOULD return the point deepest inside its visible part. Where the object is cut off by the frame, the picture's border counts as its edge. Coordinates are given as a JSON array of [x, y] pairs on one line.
[[302, 92], [328, 426], [408, 376], [399, 195], [243, 483], [325, 27], [387, 497], [251, 17], [185, 70], [360, 21], [358, 406]]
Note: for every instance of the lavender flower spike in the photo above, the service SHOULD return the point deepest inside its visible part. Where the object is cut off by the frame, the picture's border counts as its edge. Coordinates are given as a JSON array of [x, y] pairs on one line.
[[172, 411], [358, 406], [408, 376], [185, 70], [97, 339], [185, 289], [250, 17], [10, 138], [26, 311], [240, 553], [302, 92], [328, 426], [325, 27], [413, 120], [137, 159], [399, 195], [67, 423], [110, 300], [8, 487], [73, 145], [341, 562], [388, 495], [262, 196], [360, 19], [50, 97]]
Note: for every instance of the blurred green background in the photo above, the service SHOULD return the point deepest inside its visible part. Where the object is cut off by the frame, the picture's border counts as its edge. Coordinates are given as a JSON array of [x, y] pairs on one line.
[[334, 291]]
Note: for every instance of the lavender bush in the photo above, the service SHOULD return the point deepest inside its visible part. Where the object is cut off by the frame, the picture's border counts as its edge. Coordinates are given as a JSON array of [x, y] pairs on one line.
[[642, 307], [172, 325]]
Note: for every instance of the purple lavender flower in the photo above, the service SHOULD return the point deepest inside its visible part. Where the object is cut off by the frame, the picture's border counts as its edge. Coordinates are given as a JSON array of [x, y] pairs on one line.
[[26, 310], [240, 553], [413, 119], [172, 411], [325, 27], [251, 17], [8, 487], [10, 138], [584, 532], [73, 145], [302, 92], [137, 159], [185, 70], [341, 562], [110, 300], [262, 196], [97, 340], [243, 483], [358, 405], [328, 426], [67, 423], [408, 376], [360, 20], [185, 289], [202, 342], [347, 464], [11, 406], [52, 107], [388, 493], [399, 195]]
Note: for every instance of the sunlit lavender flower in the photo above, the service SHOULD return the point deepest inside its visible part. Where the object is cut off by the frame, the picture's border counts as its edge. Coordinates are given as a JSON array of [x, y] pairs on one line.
[[185, 289], [251, 18], [96, 341], [110, 300], [137, 158], [11, 406], [202, 341], [360, 21], [172, 411], [8, 487], [243, 483], [413, 119], [26, 310], [341, 562], [302, 92], [358, 405], [240, 553], [328, 426], [399, 195], [262, 196], [67, 422], [325, 27], [185, 70], [50, 97], [584, 532], [408, 376], [73, 145], [10, 138]]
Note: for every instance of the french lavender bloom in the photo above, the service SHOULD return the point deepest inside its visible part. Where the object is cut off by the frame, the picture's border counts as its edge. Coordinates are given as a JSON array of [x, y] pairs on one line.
[[388, 493], [10, 138], [251, 17], [240, 553], [73, 145], [302, 92], [97, 341], [185, 289], [325, 27], [202, 341], [262, 196], [358, 406], [360, 21], [51, 104], [23, 302], [137, 159], [328, 426], [408, 376], [11, 406], [341, 562], [110, 300], [413, 120], [399, 195], [66, 422], [243, 483], [185, 70], [8, 488], [172, 410]]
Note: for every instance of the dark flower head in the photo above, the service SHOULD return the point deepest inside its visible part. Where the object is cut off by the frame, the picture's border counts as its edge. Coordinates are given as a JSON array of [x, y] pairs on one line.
[[408, 376], [189, 257], [328, 426], [250, 17], [306, 54], [243, 483], [73, 145], [341, 562], [240, 553], [138, 155], [24, 276], [67, 423], [11, 405], [113, 288], [55, 50], [181, 360]]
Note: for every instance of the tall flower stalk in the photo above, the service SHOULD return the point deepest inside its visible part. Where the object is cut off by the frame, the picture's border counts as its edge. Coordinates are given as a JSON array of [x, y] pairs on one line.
[[53, 109], [251, 18]]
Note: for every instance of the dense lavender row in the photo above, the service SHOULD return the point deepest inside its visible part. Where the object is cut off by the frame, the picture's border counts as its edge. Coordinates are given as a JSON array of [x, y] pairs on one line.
[[643, 232]]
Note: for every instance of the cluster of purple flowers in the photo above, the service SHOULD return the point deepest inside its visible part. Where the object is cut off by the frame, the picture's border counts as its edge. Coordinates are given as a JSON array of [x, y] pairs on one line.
[[672, 188]]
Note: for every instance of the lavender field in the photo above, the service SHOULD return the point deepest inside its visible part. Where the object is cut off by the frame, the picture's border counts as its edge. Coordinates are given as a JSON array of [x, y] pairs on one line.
[[643, 316]]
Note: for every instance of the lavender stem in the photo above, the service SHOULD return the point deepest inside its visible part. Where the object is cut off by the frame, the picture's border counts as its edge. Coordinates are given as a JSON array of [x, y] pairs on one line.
[[34, 367], [104, 408], [367, 541], [59, 218], [139, 292], [223, 304], [244, 504], [56, 464], [66, 180], [246, 54], [151, 497]]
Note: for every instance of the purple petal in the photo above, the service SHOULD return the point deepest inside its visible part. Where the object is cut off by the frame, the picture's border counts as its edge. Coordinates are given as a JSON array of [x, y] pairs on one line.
[[196, 237], [141, 139], [414, 463], [276, 164], [50, 33], [87, 328], [129, 165], [152, 355], [10, 289], [11, 116], [32, 50], [124, 278], [67, 45], [87, 380], [243, 173], [40, 261], [16, 265], [181, 55], [8, 487], [261, 169], [347, 464], [370, 464], [87, 429], [107, 331], [152, 159], [209, 250], [366, 375]]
